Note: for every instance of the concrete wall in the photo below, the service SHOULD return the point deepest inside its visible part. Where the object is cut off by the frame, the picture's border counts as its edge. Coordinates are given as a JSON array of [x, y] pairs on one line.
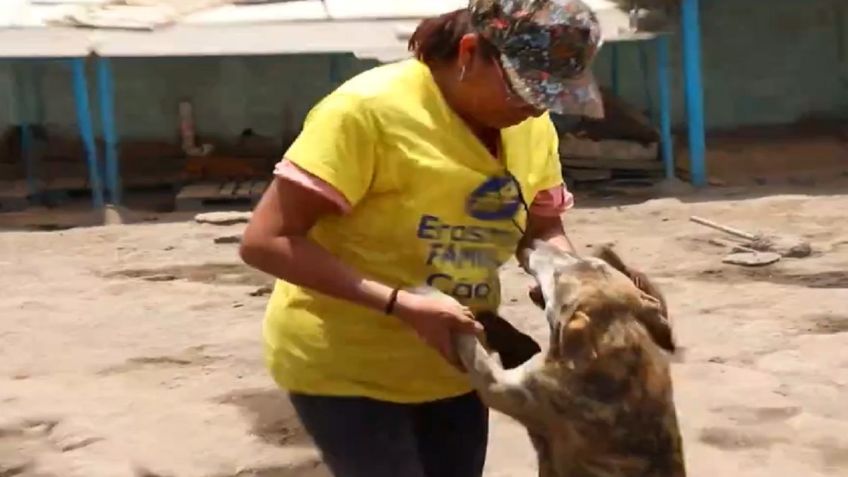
[[228, 94], [764, 63]]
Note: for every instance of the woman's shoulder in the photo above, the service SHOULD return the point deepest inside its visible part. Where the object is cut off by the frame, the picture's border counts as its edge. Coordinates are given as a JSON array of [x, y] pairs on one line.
[[383, 81], [382, 88], [536, 130]]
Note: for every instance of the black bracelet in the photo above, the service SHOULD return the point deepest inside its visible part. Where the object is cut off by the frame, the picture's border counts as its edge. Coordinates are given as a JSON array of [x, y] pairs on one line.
[[390, 306]]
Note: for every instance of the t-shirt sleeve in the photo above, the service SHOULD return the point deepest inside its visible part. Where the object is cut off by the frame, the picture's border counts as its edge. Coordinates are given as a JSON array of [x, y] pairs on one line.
[[552, 202], [338, 145], [287, 170]]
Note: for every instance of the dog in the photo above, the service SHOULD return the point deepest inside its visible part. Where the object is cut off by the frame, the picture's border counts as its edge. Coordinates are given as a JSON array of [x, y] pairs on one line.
[[600, 403], [512, 346]]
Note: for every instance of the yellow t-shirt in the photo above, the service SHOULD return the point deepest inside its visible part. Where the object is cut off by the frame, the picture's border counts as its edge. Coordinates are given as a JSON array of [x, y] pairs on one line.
[[430, 205]]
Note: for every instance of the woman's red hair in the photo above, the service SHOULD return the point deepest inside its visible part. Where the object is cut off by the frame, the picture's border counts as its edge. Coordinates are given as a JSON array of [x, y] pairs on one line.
[[437, 39]]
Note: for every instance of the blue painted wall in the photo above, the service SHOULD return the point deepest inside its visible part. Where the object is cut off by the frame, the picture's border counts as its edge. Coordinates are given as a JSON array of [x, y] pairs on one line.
[[765, 62]]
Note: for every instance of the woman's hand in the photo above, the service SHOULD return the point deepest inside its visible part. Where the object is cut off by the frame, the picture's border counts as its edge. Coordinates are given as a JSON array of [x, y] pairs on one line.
[[435, 319]]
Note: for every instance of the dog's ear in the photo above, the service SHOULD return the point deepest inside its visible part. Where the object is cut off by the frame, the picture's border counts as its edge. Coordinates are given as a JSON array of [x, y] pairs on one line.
[[653, 319], [642, 281], [549, 266], [575, 343], [537, 298], [607, 254]]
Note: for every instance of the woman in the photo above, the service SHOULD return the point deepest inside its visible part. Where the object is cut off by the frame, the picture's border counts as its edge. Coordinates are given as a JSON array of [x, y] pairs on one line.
[[415, 173]]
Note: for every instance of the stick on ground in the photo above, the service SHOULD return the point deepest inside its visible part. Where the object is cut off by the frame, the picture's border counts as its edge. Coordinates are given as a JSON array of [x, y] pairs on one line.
[[723, 228]]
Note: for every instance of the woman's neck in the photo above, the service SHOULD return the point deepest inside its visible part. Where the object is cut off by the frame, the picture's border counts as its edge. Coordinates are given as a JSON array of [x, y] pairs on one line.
[[456, 93]]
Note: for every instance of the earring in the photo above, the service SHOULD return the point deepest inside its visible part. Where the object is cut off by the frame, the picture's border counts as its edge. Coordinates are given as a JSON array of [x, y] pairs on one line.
[[462, 73]]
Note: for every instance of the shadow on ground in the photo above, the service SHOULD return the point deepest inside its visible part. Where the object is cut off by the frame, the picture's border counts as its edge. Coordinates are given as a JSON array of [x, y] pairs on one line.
[[833, 279], [271, 414], [210, 273]]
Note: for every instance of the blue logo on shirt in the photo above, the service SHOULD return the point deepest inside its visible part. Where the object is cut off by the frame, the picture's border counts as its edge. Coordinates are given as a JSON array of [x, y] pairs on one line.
[[495, 199]]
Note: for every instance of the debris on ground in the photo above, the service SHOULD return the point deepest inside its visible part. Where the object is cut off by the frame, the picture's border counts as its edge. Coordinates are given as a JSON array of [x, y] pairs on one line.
[[262, 291], [787, 246], [159, 277], [113, 215], [784, 245], [752, 259], [222, 218], [225, 239]]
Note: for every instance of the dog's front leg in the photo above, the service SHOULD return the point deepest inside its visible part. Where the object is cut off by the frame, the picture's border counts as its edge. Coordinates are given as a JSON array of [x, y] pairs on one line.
[[544, 455], [500, 389]]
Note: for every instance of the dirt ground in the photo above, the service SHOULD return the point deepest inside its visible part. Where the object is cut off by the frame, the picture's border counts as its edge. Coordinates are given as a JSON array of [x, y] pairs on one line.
[[133, 350]]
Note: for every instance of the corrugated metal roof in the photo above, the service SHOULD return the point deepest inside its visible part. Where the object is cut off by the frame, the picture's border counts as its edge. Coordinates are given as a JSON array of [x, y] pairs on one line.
[[347, 9], [298, 10], [369, 28], [137, 14], [44, 43], [253, 39], [10, 10]]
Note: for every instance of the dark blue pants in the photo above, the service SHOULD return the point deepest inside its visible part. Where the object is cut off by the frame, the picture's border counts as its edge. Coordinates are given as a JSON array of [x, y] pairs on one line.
[[360, 437]]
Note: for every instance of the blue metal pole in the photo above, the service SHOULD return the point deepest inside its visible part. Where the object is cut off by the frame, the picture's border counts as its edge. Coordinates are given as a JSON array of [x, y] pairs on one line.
[[665, 104], [616, 83], [28, 158], [106, 94], [646, 81], [21, 102], [86, 128], [694, 91]]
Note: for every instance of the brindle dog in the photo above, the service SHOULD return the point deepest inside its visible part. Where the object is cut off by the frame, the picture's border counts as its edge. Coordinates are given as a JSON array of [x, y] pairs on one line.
[[601, 403]]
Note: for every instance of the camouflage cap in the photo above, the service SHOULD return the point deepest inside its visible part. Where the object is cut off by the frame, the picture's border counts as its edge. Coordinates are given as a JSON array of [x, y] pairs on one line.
[[547, 48]]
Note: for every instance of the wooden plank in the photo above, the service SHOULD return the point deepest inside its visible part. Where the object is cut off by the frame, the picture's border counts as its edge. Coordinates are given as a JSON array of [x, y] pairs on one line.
[[13, 195], [13, 189], [191, 197], [148, 181], [259, 188], [13, 204], [621, 164], [589, 174], [244, 189], [9, 172], [201, 190], [66, 183], [228, 189], [198, 196]]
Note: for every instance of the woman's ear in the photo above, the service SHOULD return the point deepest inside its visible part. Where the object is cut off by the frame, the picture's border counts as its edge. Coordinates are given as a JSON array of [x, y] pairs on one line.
[[467, 51]]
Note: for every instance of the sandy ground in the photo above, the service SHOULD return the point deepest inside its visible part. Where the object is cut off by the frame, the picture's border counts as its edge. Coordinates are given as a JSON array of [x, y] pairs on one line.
[[134, 350]]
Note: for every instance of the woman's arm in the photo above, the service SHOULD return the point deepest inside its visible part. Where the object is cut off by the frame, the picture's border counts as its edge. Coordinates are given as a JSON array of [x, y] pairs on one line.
[[275, 241], [548, 229], [544, 220]]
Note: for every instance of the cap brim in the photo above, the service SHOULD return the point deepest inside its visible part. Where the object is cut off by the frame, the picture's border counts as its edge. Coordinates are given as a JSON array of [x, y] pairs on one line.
[[578, 96]]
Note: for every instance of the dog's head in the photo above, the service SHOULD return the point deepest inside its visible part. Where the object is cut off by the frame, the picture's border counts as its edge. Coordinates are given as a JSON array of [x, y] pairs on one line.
[[584, 297]]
